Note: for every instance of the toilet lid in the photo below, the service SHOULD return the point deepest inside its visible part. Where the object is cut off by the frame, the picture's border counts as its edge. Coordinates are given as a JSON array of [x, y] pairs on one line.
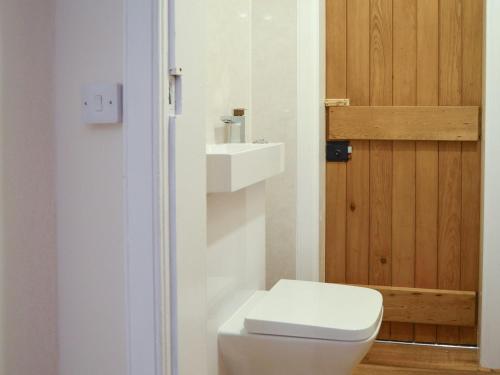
[[317, 310]]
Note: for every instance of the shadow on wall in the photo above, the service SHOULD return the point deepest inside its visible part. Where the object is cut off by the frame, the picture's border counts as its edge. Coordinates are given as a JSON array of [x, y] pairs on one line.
[[28, 343]]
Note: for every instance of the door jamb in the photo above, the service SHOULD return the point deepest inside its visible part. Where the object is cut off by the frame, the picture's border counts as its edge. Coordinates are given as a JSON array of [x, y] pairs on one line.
[[144, 233], [489, 336], [310, 140]]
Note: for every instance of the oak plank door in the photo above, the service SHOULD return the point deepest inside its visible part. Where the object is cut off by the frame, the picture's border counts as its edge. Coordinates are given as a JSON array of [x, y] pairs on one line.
[[405, 213]]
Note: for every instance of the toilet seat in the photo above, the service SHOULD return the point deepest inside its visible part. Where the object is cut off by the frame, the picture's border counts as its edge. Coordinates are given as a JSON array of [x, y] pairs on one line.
[[317, 311]]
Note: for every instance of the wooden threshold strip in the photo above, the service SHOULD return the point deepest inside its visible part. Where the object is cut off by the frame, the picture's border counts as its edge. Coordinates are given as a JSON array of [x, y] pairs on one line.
[[397, 359], [417, 123], [428, 306]]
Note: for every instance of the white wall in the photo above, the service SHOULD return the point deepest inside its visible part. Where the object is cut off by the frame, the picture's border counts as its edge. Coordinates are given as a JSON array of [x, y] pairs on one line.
[[228, 46], [248, 68], [235, 250], [235, 256], [28, 339], [88, 43], [274, 109], [490, 296], [191, 188]]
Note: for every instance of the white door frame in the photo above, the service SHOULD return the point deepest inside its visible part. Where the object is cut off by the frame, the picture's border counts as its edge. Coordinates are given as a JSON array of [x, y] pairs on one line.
[[310, 139], [490, 265], [144, 190]]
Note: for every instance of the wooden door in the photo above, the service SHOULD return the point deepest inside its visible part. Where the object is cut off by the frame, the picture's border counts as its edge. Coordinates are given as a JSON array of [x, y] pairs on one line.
[[404, 211]]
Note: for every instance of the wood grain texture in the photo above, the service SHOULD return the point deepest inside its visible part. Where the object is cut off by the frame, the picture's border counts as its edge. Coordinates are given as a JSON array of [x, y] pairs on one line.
[[472, 41], [405, 52], [449, 235], [426, 226], [336, 48], [336, 173], [358, 52], [403, 192], [381, 42], [337, 102], [380, 218], [450, 179], [400, 359], [425, 357], [358, 171], [428, 306], [411, 189], [364, 369], [450, 52], [358, 209], [453, 123], [335, 234], [426, 159], [403, 240]]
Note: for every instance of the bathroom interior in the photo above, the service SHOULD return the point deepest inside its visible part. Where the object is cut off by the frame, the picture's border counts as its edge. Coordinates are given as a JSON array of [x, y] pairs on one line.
[[313, 190], [364, 170]]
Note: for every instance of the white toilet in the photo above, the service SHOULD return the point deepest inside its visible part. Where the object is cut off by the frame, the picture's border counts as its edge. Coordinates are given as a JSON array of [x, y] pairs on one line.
[[301, 328]]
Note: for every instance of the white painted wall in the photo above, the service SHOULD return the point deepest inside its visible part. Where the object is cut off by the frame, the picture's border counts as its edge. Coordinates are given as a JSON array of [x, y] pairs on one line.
[[28, 338], [228, 79], [248, 68], [490, 295], [235, 256], [235, 249], [191, 188], [274, 109], [88, 48]]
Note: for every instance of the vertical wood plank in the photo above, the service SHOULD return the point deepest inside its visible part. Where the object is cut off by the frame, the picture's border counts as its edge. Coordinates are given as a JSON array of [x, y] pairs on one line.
[[336, 49], [472, 42], [381, 52], [335, 257], [336, 173], [358, 193], [426, 262], [426, 188], [380, 218], [405, 52], [403, 206], [380, 151], [449, 219], [358, 181], [450, 52], [358, 51], [449, 227]]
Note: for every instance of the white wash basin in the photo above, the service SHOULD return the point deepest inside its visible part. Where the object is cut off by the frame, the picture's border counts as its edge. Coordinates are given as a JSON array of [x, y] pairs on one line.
[[234, 166]]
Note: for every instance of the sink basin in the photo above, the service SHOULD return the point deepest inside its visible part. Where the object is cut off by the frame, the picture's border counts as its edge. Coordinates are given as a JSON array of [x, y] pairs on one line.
[[234, 166]]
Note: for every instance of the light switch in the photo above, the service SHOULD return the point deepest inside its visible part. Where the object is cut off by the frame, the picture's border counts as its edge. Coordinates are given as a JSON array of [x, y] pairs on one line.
[[98, 103], [102, 103]]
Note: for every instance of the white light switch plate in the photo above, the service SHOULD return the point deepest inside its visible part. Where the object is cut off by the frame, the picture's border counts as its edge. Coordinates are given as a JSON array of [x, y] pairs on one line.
[[102, 103]]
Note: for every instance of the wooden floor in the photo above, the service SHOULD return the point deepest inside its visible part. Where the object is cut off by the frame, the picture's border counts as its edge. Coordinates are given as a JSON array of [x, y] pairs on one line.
[[395, 359]]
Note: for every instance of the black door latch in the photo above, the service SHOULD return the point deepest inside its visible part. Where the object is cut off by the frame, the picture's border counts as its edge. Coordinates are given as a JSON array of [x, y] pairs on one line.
[[338, 151]]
